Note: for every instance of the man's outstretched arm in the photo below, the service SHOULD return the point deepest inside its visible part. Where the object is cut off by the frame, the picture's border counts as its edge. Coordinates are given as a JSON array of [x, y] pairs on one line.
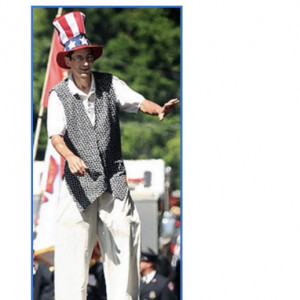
[[151, 108]]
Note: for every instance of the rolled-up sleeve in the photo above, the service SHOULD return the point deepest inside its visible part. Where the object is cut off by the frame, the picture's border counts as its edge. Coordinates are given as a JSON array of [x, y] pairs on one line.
[[128, 99], [56, 119]]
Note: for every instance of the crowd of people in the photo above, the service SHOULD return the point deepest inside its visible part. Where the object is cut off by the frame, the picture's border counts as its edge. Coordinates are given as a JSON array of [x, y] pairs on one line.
[[159, 277]]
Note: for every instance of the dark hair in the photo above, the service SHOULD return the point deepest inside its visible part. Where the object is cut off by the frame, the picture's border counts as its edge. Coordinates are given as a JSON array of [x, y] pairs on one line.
[[69, 55]]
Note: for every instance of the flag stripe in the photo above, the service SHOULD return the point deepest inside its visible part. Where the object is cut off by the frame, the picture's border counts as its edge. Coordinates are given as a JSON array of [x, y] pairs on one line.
[[61, 33], [65, 30], [52, 172], [73, 25], [81, 21], [44, 241]]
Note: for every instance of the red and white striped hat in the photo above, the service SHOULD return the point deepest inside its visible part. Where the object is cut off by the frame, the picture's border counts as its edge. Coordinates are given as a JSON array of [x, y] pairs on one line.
[[71, 32]]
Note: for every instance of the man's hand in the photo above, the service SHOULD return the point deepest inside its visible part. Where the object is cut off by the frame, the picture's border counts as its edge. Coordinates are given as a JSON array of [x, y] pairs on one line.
[[167, 108], [151, 108], [76, 165]]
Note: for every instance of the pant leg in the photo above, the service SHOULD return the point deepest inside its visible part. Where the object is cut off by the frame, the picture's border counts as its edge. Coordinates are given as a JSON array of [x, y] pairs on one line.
[[75, 237], [119, 238]]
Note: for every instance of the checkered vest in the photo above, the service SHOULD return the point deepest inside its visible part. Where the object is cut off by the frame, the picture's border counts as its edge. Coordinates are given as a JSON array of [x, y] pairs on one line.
[[99, 146]]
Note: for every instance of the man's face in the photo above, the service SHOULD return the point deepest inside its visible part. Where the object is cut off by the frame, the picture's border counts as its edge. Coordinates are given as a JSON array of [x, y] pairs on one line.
[[145, 267], [81, 62]]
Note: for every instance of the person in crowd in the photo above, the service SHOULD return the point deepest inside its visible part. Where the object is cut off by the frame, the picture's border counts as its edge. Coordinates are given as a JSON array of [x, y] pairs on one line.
[[96, 289], [154, 286], [43, 281]]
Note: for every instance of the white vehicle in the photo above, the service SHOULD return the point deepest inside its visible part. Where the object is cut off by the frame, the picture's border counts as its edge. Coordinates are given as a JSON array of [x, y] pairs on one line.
[[148, 182]]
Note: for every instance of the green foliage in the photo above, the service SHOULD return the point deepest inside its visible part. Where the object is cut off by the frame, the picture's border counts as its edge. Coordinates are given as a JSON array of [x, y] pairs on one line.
[[142, 47]]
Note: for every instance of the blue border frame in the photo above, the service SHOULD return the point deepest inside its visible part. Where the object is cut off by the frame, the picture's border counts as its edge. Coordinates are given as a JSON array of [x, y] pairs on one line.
[[31, 159], [181, 120], [181, 152]]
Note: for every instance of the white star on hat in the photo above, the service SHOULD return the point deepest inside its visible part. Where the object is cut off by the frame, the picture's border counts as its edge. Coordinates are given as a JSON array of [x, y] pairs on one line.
[[72, 45], [84, 41]]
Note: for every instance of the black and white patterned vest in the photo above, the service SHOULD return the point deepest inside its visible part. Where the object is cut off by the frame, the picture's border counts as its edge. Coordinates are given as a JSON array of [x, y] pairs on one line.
[[99, 146]]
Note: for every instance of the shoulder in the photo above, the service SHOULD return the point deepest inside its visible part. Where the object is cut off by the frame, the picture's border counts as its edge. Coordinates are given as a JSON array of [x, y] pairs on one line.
[[60, 84], [102, 75], [160, 276], [160, 279], [103, 80]]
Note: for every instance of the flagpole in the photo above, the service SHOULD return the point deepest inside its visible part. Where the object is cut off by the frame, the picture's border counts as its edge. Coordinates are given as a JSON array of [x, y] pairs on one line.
[[41, 112]]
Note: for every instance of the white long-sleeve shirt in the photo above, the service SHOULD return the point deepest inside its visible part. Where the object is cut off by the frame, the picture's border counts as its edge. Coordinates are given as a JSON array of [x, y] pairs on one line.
[[128, 100]]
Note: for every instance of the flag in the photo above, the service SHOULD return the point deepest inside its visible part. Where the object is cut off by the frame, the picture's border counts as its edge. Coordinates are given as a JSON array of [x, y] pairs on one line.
[[44, 241], [55, 73]]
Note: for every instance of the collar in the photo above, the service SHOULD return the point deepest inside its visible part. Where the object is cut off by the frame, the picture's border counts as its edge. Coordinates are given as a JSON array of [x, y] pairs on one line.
[[75, 90], [149, 277]]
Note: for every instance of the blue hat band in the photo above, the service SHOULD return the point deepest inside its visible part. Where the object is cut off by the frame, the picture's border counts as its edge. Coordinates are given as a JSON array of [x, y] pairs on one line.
[[79, 40]]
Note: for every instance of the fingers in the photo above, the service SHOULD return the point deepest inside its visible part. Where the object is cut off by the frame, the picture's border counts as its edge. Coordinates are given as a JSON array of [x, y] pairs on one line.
[[76, 165], [167, 108], [173, 101], [170, 104], [161, 116], [81, 171]]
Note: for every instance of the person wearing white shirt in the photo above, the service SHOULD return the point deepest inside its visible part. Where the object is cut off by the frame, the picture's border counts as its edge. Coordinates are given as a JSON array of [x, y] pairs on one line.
[[128, 101], [83, 125]]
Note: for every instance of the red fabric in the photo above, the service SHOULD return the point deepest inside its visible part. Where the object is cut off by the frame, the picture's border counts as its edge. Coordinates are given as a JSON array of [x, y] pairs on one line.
[[65, 25], [55, 73], [52, 172], [80, 21]]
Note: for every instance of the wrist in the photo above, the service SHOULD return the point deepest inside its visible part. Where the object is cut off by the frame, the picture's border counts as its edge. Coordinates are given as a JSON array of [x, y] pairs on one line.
[[68, 155]]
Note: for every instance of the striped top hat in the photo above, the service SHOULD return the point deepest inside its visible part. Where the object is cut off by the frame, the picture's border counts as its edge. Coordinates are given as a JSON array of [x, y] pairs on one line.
[[71, 32]]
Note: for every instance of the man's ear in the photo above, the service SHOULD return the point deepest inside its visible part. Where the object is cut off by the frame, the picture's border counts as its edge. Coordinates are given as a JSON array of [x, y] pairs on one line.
[[67, 61]]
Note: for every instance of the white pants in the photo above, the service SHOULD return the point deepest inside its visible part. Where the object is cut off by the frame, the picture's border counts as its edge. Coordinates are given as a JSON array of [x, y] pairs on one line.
[[117, 225]]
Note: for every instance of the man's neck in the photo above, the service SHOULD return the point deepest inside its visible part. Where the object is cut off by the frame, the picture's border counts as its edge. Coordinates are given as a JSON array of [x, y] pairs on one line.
[[147, 271], [83, 83], [147, 278]]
